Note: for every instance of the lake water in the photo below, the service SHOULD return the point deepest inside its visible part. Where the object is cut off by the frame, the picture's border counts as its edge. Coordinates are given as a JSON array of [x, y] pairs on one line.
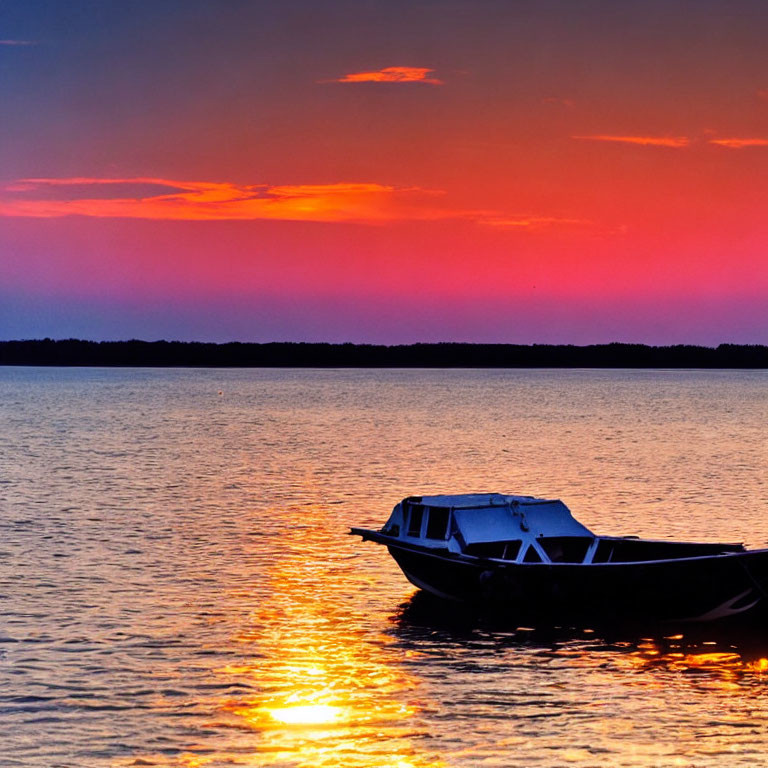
[[177, 588]]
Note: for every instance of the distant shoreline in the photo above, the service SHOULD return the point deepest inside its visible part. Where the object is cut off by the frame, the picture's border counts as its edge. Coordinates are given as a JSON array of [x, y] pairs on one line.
[[179, 354]]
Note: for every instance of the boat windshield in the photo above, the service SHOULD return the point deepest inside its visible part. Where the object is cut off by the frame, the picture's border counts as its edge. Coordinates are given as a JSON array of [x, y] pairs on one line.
[[565, 549]]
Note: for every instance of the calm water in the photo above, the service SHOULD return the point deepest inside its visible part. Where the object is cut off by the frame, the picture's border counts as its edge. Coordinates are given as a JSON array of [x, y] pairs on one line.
[[177, 589]]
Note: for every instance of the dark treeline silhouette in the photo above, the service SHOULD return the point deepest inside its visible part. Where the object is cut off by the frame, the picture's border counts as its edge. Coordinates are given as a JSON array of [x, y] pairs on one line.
[[73, 352]]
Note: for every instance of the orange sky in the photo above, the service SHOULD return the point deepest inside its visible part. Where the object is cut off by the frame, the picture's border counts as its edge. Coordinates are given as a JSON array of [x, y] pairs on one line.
[[385, 172]]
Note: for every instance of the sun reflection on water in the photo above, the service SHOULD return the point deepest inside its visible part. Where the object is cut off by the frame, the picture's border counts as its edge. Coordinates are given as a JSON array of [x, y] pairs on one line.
[[305, 714], [322, 686], [328, 687]]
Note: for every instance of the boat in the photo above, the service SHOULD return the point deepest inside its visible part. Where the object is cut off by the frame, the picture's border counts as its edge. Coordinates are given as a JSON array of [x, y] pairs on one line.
[[529, 559]]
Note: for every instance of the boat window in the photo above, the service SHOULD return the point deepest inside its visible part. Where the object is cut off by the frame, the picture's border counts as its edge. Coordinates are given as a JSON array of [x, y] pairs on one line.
[[532, 556], [512, 550], [414, 522], [566, 549], [626, 550], [486, 549], [604, 552], [499, 550], [437, 523]]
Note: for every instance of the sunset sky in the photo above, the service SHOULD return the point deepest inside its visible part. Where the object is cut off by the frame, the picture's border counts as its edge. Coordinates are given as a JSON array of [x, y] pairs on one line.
[[569, 172]]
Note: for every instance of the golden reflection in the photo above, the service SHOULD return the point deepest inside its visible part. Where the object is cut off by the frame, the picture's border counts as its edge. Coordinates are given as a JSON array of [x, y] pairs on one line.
[[322, 688], [305, 714], [722, 669], [330, 691]]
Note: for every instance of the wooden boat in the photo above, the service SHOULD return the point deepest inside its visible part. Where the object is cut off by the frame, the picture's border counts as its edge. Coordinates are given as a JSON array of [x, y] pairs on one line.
[[529, 559]]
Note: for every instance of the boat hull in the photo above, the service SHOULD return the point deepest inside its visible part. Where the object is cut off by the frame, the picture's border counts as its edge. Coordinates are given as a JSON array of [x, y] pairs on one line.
[[716, 588]]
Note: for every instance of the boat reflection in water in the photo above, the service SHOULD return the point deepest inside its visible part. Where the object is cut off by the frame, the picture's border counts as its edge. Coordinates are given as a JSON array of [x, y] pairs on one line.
[[629, 696], [707, 646]]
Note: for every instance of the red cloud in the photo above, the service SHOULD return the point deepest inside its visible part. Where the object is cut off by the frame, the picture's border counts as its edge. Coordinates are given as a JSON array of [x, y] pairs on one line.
[[647, 141], [165, 199], [390, 75], [531, 222], [193, 200], [739, 143]]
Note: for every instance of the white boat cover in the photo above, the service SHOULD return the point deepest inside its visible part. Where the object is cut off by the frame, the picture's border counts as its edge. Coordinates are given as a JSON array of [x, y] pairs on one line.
[[498, 517]]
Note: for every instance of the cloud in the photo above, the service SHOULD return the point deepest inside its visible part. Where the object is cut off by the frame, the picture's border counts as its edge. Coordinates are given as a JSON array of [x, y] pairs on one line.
[[18, 42], [739, 143], [678, 142], [390, 75], [532, 222], [646, 141], [192, 200], [166, 199], [153, 198]]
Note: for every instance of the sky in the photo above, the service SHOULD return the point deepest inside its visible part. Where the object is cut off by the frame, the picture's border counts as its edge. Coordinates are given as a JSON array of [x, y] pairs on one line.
[[388, 172]]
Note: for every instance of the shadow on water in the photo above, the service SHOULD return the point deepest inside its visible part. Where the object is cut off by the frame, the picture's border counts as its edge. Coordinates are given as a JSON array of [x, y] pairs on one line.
[[613, 695], [426, 620]]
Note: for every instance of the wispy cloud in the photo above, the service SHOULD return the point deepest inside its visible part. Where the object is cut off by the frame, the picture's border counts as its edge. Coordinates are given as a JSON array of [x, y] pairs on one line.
[[739, 143], [568, 103], [166, 199], [532, 222], [390, 75], [18, 42], [192, 200], [679, 142], [646, 141]]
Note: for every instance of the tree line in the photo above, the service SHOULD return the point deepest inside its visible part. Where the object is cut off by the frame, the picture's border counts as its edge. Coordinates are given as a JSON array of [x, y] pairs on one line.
[[77, 352]]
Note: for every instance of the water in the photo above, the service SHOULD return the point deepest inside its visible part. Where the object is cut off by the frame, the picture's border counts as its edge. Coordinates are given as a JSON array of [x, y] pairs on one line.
[[177, 589]]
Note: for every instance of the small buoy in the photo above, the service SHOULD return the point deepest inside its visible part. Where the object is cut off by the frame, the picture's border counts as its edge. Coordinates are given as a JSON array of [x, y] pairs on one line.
[[220, 392]]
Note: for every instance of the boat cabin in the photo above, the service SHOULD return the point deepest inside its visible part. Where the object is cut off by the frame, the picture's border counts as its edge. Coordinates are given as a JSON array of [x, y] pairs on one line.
[[522, 529]]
